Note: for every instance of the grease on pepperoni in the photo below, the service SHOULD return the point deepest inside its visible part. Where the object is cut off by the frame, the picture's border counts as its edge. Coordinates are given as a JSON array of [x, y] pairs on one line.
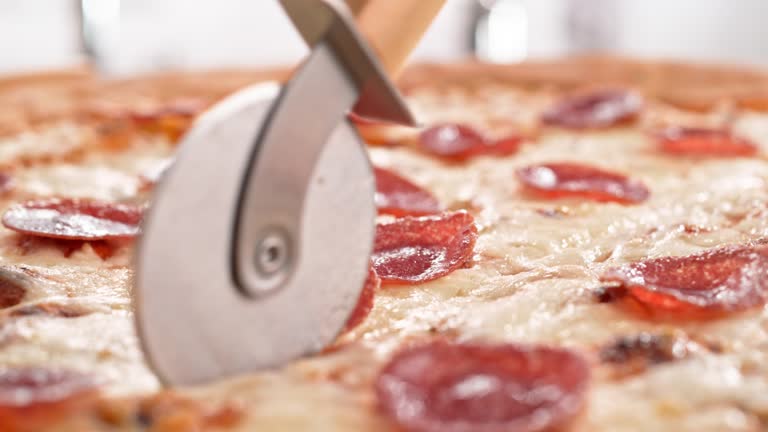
[[703, 142], [710, 284], [412, 250], [566, 179], [365, 301], [448, 387], [74, 219], [32, 398], [595, 110], [458, 142], [398, 196]]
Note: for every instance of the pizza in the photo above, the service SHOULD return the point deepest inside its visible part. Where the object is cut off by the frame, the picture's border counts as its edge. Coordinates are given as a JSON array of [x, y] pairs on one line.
[[571, 245]]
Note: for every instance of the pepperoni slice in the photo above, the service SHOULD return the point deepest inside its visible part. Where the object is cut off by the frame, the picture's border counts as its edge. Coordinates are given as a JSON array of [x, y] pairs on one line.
[[705, 285], [458, 143], [413, 250], [598, 109], [74, 219], [365, 302], [397, 196], [442, 387], [704, 142], [565, 179], [30, 398]]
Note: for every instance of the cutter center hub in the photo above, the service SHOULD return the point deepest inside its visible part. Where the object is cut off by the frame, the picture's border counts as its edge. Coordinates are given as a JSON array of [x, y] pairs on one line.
[[272, 261], [272, 253]]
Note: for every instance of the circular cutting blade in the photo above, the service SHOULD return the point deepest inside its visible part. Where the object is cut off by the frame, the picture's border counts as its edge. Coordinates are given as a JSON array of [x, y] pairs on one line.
[[194, 322]]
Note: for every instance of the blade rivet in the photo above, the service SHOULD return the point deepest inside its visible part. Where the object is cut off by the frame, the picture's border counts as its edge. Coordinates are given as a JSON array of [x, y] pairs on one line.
[[272, 253]]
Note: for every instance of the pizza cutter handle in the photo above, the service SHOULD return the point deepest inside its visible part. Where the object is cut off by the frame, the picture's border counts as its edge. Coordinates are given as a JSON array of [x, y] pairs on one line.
[[394, 27], [330, 23]]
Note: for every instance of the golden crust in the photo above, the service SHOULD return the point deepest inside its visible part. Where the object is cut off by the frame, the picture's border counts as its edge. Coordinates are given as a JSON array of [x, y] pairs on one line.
[[688, 85], [31, 99]]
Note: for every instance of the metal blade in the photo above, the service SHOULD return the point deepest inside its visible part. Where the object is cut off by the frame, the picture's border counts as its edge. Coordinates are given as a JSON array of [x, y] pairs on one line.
[[200, 319], [258, 240], [330, 21]]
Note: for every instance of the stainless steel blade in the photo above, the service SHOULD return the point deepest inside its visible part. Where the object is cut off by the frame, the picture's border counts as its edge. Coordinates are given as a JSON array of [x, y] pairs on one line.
[[330, 21], [195, 320], [257, 243]]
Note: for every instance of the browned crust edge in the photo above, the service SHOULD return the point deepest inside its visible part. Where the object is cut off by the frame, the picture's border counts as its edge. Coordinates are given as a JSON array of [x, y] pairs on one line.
[[27, 100], [689, 85], [662, 78]]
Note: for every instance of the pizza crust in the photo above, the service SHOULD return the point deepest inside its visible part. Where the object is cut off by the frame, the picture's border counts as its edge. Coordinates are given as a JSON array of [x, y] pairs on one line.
[[537, 262], [29, 100], [691, 86]]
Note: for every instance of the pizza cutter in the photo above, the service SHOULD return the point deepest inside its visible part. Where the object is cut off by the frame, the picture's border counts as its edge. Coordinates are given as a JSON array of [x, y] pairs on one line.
[[257, 242]]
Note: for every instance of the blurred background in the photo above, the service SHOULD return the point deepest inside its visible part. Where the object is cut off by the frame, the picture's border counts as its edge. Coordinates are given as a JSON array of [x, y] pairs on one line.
[[131, 36]]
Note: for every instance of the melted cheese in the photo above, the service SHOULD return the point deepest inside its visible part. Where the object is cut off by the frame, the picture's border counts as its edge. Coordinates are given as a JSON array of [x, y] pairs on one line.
[[98, 182], [54, 141]]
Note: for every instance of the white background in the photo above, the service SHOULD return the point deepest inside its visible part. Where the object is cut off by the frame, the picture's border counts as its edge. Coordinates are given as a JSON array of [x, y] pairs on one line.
[[155, 34]]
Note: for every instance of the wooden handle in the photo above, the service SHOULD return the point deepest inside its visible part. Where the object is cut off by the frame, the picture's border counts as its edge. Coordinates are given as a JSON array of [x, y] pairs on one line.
[[356, 6], [394, 27]]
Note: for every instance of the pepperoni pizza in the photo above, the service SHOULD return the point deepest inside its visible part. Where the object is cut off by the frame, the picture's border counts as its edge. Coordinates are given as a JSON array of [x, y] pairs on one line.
[[576, 245]]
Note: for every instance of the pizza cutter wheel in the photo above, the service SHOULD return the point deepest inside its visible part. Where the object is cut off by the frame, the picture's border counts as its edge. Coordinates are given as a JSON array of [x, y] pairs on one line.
[[257, 243]]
